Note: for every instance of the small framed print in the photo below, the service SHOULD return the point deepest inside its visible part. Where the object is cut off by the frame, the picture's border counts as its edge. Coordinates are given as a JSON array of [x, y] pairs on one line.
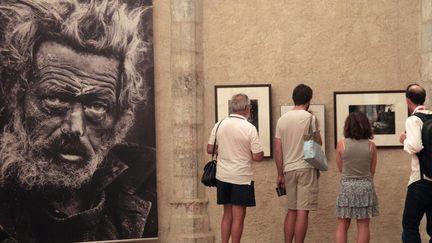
[[260, 117]]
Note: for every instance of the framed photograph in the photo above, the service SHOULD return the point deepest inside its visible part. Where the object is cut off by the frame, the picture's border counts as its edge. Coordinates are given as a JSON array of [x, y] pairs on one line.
[[318, 111], [260, 97], [386, 111]]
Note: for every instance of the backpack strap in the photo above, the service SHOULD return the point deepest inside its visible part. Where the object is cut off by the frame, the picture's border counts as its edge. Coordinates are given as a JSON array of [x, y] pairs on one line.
[[423, 117]]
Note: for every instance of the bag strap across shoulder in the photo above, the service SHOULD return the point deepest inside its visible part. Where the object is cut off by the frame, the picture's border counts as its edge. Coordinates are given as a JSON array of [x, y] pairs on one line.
[[310, 134], [214, 143]]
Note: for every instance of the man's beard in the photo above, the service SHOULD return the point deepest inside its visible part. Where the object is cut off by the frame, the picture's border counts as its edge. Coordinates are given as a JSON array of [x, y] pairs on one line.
[[24, 160]]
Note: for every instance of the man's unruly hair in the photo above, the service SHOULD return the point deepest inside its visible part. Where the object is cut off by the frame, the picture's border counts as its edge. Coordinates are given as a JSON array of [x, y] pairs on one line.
[[105, 27]]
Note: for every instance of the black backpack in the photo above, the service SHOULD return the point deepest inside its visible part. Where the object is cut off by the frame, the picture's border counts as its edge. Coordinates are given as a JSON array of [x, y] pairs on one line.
[[425, 155]]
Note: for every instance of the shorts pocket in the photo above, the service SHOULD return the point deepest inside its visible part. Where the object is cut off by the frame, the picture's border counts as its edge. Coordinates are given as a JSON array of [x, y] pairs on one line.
[[313, 197]]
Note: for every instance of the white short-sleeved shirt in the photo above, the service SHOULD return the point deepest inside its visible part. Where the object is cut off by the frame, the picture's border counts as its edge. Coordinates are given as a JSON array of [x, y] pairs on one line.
[[290, 129], [237, 139]]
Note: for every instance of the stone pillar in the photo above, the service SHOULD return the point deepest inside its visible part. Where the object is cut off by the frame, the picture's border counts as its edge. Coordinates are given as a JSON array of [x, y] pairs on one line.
[[189, 218], [426, 47]]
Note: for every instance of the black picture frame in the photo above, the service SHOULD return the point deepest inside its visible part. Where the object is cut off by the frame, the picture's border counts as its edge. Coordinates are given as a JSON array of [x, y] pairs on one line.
[[260, 96], [386, 110]]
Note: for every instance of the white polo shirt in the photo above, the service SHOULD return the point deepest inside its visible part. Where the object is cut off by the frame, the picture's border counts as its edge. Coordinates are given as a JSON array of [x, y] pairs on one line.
[[237, 139]]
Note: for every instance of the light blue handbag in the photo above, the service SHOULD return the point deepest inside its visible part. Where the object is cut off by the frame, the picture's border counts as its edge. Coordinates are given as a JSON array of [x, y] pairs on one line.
[[313, 153]]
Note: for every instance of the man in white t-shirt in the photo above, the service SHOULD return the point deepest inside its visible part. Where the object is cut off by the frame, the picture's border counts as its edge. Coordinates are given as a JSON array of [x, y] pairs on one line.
[[237, 144], [298, 177]]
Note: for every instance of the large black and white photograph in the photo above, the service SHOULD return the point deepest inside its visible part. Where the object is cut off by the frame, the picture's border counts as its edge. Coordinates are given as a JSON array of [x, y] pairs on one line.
[[385, 110], [77, 147], [260, 97], [381, 117]]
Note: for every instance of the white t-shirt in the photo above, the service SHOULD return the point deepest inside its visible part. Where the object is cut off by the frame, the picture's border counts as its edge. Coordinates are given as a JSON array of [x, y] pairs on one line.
[[413, 143], [290, 129], [237, 139]]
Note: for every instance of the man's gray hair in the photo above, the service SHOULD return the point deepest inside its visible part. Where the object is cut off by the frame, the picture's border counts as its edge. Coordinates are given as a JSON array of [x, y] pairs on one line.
[[103, 27], [239, 102]]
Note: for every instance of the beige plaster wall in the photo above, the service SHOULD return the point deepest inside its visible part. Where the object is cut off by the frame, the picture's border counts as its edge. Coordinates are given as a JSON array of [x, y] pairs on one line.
[[163, 104], [331, 45]]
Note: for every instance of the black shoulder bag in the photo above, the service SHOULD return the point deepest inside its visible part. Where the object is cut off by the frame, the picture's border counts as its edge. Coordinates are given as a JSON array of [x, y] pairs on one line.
[[209, 176]]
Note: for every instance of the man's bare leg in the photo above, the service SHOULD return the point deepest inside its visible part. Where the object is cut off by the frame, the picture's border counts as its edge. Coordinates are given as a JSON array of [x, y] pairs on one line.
[[238, 216], [301, 226], [289, 227], [226, 223]]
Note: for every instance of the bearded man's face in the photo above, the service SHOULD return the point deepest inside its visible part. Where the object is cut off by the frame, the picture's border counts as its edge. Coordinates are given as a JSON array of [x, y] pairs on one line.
[[68, 120]]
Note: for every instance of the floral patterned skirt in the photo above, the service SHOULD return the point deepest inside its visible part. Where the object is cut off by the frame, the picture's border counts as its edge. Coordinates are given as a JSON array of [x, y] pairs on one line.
[[357, 199]]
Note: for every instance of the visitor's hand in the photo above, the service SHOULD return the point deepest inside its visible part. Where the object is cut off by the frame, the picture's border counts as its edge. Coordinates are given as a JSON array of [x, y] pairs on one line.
[[280, 181], [402, 137]]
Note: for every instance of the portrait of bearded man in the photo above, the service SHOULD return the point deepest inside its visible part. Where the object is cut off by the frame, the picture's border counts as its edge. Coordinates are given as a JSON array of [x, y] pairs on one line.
[[73, 76]]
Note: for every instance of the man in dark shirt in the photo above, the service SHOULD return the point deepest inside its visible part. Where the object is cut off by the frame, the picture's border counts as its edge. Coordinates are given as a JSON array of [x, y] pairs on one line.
[[70, 88]]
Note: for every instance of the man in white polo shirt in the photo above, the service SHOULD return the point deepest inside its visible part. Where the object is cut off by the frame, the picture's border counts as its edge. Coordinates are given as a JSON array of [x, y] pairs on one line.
[[237, 145]]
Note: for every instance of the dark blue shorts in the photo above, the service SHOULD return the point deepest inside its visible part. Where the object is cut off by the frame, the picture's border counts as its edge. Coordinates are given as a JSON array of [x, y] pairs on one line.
[[228, 193]]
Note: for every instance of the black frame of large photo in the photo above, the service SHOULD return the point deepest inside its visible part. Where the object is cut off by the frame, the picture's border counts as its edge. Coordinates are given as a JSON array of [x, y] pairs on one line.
[[386, 110]]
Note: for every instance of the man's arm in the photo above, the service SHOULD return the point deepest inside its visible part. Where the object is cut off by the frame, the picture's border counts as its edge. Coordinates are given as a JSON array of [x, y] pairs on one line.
[[255, 145], [411, 139], [211, 141], [316, 134], [317, 137], [210, 149], [374, 158], [258, 156], [279, 162], [339, 150]]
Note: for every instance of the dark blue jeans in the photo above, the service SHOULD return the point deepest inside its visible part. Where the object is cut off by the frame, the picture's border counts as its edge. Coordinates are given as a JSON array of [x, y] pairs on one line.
[[417, 203]]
